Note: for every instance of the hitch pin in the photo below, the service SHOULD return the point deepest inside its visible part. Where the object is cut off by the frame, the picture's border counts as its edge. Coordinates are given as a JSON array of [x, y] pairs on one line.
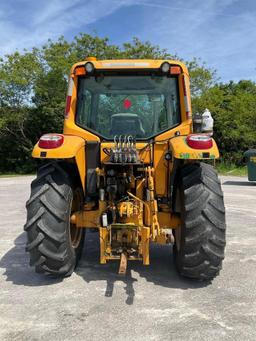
[[123, 264]]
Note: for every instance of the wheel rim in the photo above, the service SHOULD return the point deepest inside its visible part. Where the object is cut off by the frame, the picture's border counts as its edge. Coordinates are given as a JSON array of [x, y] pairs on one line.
[[75, 232]]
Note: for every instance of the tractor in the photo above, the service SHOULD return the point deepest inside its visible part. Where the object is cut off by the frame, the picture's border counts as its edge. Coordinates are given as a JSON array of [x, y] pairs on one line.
[[130, 167]]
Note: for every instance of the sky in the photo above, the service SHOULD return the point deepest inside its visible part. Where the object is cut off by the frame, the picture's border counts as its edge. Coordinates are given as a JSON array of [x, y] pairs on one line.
[[220, 32]]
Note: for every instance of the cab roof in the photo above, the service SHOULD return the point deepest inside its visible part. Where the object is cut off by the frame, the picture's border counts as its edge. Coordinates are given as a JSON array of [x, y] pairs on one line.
[[124, 64]]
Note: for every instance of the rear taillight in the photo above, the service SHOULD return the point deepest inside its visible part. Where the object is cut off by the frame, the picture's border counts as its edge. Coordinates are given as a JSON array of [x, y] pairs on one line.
[[187, 107], [69, 96], [50, 141], [199, 141]]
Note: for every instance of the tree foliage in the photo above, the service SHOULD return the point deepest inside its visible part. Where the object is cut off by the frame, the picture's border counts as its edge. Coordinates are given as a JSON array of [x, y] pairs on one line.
[[33, 88], [233, 108]]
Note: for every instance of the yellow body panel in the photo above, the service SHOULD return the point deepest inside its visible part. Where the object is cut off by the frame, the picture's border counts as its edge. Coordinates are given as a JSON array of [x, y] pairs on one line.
[[73, 147], [168, 220], [181, 150], [183, 129], [130, 64], [160, 166]]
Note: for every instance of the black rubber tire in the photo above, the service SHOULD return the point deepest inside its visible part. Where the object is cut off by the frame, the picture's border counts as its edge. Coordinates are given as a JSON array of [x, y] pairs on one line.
[[48, 222], [200, 244]]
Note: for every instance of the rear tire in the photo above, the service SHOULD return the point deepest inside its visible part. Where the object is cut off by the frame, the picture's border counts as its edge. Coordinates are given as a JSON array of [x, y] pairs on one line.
[[53, 243], [200, 241]]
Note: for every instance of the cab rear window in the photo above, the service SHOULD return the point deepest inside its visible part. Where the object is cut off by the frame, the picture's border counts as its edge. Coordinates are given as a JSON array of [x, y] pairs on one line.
[[142, 106]]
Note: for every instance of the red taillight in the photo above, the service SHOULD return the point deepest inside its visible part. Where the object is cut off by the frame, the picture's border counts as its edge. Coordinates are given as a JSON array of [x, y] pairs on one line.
[[50, 141], [69, 96], [68, 104], [199, 141]]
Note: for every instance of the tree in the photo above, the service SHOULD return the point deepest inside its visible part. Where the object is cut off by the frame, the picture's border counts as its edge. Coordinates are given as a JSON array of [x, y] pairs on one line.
[[233, 108], [202, 77]]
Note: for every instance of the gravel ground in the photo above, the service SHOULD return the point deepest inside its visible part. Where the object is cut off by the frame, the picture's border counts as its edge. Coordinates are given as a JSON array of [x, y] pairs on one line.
[[150, 303]]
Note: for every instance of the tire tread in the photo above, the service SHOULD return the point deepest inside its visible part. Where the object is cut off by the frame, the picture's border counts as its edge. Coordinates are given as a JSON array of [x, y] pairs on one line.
[[203, 215], [47, 217]]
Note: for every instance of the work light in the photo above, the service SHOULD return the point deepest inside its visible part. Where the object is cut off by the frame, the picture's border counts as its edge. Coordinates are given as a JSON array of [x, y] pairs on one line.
[[89, 67], [165, 67]]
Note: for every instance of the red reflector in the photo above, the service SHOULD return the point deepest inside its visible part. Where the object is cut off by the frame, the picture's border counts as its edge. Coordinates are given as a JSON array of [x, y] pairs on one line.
[[175, 70], [80, 71], [50, 141], [69, 96], [199, 141], [68, 104]]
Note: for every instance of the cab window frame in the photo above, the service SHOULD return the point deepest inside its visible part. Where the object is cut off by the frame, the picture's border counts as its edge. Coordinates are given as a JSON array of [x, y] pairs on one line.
[[126, 73]]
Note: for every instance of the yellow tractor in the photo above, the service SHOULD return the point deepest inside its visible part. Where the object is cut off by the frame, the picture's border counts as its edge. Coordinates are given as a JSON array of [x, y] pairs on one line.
[[129, 166]]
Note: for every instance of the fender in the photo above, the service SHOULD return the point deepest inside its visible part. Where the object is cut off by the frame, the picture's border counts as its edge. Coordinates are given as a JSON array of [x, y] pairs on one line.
[[73, 147], [181, 150]]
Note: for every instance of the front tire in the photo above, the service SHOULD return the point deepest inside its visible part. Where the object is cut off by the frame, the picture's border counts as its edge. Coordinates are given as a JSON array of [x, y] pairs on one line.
[[200, 240], [53, 243]]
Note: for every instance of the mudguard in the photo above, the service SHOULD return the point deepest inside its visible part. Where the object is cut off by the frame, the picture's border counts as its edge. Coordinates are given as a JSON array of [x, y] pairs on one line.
[[181, 150], [73, 147]]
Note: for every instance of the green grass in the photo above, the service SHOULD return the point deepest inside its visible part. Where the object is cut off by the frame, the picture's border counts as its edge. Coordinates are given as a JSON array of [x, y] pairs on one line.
[[231, 169], [11, 175]]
